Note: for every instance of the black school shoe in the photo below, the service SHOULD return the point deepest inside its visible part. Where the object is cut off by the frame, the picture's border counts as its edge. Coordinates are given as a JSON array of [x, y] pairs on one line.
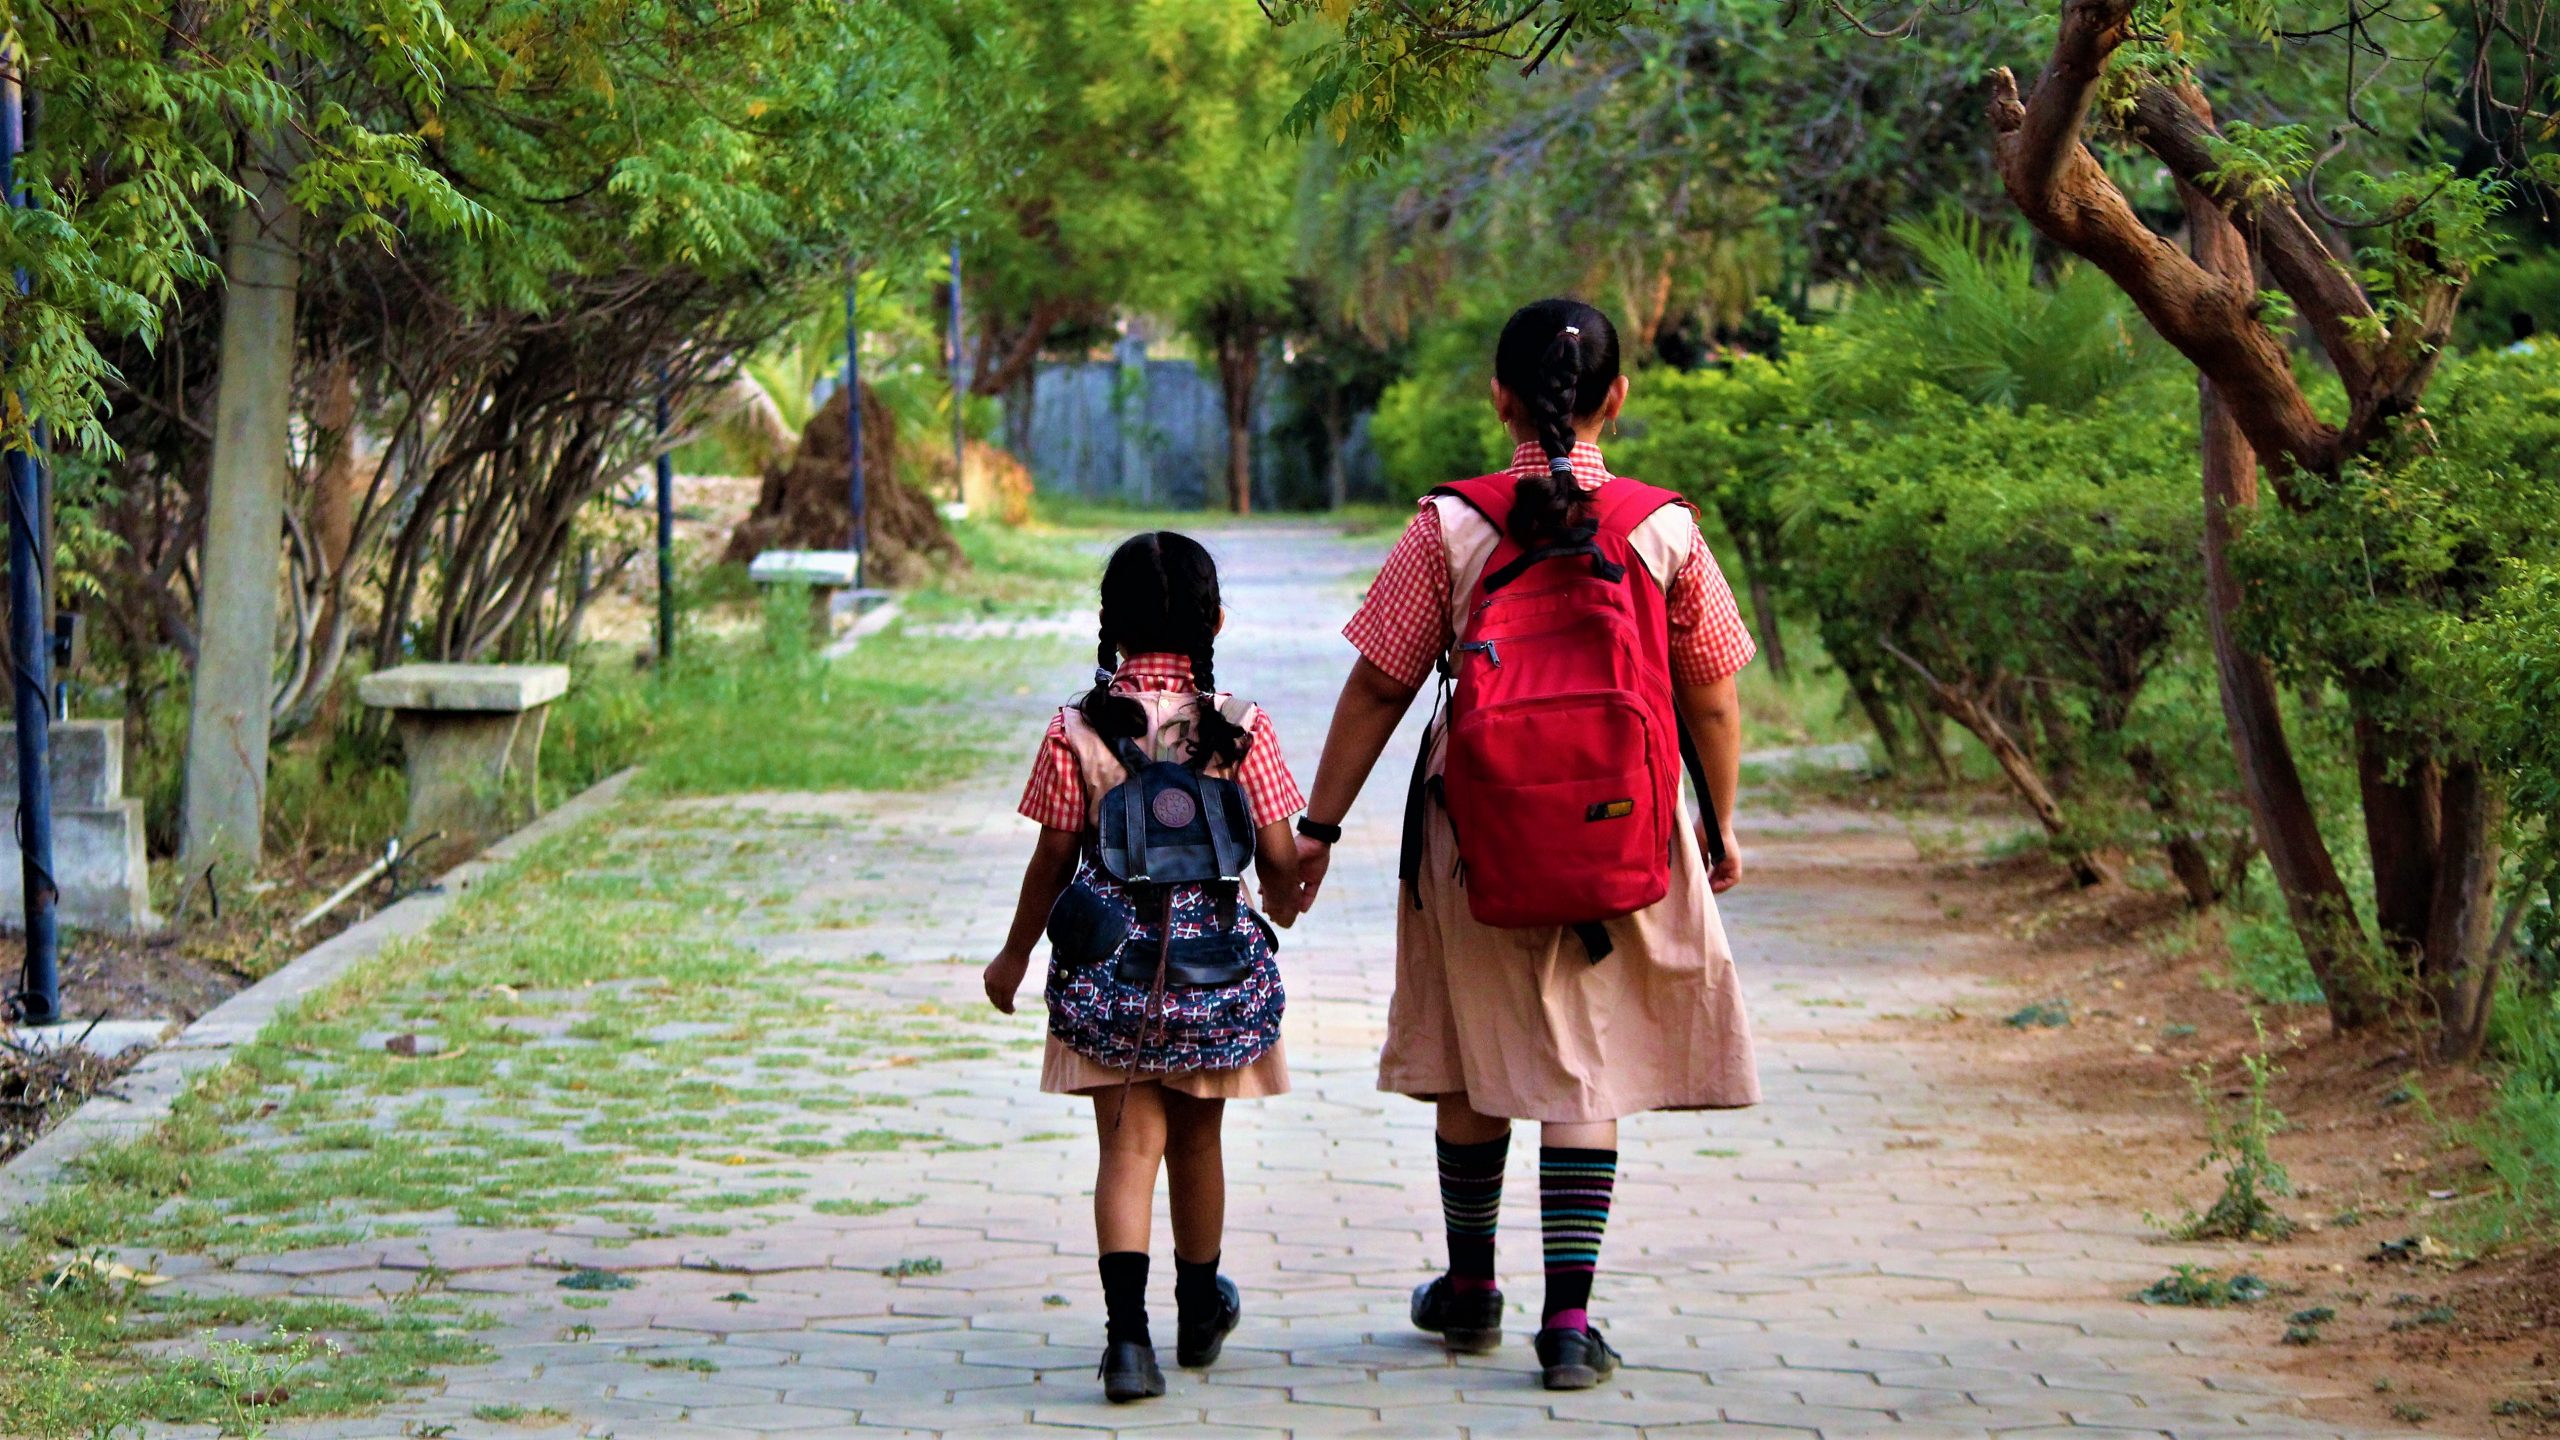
[[1197, 1339], [1575, 1359], [1129, 1372], [1470, 1322]]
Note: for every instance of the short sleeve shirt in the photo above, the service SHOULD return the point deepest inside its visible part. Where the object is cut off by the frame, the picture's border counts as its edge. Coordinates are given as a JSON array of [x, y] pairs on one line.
[[1054, 796], [1409, 619]]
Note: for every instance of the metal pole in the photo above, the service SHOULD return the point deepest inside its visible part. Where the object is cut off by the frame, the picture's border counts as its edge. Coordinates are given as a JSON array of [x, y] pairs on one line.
[[39, 1000], [959, 378], [666, 529], [856, 498]]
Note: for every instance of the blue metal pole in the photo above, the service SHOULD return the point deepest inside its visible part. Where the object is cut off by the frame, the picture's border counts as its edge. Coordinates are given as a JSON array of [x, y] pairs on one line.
[[666, 530], [959, 377], [39, 1001], [857, 499]]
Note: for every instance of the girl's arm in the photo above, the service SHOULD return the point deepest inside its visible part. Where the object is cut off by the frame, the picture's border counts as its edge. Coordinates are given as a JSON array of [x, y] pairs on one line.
[[1053, 865], [1714, 715], [1372, 705], [1275, 871]]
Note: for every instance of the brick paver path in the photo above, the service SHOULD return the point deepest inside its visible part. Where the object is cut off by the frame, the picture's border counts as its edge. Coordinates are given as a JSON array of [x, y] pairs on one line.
[[1870, 1252]]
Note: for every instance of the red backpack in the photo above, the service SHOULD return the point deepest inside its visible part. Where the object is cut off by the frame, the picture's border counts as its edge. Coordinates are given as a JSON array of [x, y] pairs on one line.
[[1563, 772]]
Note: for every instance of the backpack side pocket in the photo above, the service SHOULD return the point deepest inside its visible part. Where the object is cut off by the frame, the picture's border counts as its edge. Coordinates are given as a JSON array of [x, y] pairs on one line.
[[1085, 928]]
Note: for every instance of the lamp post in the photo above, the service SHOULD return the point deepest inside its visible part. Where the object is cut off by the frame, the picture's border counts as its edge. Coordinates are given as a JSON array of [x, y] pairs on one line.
[[856, 499], [39, 1000], [666, 528], [959, 378]]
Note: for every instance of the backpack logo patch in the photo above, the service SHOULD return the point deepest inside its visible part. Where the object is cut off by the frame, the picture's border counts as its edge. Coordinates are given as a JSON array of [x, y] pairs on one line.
[[1174, 809]]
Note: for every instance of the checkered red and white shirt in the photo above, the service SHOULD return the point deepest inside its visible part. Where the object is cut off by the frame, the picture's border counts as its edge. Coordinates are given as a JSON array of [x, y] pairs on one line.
[[1055, 796], [1408, 620]]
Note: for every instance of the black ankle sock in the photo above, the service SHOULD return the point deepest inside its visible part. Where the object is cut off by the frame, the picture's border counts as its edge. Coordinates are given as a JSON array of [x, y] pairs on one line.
[[1195, 1286], [1124, 1296]]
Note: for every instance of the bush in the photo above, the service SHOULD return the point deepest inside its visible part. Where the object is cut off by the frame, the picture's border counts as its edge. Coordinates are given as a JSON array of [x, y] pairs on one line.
[[1436, 424]]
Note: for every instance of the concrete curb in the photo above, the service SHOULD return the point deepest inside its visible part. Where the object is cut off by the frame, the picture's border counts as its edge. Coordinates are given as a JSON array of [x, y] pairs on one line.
[[143, 1098], [872, 622]]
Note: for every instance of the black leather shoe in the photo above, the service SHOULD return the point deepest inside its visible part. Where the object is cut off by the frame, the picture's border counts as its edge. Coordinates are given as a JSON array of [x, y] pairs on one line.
[[1197, 1339], [1575, 1359], [1470, 1322], [1129, 1372]]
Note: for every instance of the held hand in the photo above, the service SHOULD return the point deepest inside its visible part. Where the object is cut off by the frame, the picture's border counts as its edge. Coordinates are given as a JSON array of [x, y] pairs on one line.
[[1313, 857], [1725, 873], [1003, 978]]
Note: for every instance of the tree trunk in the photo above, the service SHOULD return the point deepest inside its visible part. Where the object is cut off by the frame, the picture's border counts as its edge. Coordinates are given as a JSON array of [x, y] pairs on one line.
[[1970, 713], [2459, 966], [1239, 367], [1018, 400], [1878, 710], [226, 775], [2187, 859], [1764, 614], [1337, 434], [2279, 808]]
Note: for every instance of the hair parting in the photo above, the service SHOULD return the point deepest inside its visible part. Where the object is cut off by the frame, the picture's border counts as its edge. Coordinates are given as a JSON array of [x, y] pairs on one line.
[[1160, 595]]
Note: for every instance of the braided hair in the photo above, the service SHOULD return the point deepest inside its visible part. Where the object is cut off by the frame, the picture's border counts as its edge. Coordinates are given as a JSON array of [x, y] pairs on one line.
[[1160, 594], [1558, 358]]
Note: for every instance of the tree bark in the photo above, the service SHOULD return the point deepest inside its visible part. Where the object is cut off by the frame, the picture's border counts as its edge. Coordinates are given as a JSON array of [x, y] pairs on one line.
[[2187, 860], [1970, 713], [228, 712], [2280, 811], [2459, 966], [1239, 367]]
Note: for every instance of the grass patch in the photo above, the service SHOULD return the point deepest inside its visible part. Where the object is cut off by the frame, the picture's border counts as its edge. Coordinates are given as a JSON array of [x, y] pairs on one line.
[[768, 711]]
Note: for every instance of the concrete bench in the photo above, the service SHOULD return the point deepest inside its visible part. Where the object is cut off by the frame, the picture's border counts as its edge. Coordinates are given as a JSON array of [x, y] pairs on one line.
[[98, 869], [831, 576], [473, 735]]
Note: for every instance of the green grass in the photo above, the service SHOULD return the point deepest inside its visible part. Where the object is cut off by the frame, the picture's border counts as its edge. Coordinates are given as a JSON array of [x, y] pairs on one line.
[[766, 711], [598, 1006]]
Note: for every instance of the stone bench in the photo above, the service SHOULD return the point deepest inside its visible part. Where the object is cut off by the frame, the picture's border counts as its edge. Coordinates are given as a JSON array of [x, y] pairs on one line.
[[473, 735], [831, 576], [98, 866]]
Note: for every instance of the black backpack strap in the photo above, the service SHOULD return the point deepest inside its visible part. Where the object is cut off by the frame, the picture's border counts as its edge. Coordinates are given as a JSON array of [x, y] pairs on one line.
[[1595, 939], [1698, 782]]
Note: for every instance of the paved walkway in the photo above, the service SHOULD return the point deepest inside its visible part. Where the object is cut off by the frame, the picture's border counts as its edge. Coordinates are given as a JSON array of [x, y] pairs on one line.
[[1868, 1253]]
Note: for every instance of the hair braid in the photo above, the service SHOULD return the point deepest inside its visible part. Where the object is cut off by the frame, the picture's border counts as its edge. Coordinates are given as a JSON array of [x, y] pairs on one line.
[[1558, 359]]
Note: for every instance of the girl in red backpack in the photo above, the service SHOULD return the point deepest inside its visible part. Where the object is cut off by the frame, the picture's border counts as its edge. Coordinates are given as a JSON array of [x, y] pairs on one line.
[[1159, 1062], [1558, 953]]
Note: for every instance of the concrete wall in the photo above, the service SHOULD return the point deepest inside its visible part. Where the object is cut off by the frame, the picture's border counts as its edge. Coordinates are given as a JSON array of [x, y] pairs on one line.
[[1137, 431], [97, 833]]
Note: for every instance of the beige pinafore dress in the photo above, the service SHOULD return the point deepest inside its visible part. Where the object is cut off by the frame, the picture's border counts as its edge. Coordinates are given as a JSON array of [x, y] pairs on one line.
[[1171, 715], [1521, 1020]]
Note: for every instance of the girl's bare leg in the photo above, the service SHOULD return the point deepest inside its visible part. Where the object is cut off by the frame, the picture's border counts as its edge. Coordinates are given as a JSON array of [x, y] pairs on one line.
[[1133, 1140], [1196, 1165]]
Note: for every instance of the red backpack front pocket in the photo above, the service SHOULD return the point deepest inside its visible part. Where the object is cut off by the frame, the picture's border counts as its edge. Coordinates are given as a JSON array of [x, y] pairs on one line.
[[1558, 803]]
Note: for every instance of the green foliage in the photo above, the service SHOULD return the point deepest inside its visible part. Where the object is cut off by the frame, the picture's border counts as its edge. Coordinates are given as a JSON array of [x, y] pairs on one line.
[[145, 124], [2237, 1138], [1436, 424]]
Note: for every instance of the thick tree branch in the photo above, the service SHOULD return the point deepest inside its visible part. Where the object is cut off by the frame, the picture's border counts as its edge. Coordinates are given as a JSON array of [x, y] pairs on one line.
[[2177, 128], [2062, 190]]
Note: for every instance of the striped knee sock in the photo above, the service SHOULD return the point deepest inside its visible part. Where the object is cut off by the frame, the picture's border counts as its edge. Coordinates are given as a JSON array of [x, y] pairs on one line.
[[1470, 1201], [1573, 1202]]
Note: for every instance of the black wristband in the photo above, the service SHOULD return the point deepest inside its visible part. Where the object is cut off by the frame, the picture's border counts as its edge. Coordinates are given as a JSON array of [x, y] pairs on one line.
[[1318, 830]]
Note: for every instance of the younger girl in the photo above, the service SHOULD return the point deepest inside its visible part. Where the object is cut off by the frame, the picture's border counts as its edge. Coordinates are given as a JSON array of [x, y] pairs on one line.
[[1156, 1104]]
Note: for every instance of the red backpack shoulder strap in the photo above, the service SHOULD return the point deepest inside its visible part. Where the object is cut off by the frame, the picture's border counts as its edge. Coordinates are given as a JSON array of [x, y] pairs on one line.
[[1490, 496], [1623, 504]]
